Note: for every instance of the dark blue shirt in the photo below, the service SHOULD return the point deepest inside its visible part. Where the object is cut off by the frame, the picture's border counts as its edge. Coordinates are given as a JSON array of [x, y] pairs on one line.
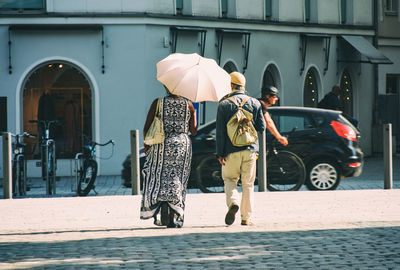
[[330, 101], [226, 109]]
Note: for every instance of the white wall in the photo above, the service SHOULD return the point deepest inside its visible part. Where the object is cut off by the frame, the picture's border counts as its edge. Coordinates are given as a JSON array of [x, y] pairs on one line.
[[208, 8], [363, 13], [114, 6], [291, 11], [250, 9], [328, 11]]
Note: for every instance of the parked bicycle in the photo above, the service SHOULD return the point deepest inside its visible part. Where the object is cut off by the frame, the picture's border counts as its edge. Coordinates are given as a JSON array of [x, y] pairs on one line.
[[48, 155], [19, 173], [86, 166], [285, 171]]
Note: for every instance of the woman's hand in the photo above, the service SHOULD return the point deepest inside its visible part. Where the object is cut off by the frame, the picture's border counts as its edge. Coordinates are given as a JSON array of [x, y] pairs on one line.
[[146, 148]]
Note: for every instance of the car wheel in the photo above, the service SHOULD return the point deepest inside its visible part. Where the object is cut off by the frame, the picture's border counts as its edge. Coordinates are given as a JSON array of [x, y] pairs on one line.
[[323, 175], [208, 175]]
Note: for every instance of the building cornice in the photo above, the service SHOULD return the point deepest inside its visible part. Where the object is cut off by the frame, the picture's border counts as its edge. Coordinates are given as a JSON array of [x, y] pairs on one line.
[[192, 21]]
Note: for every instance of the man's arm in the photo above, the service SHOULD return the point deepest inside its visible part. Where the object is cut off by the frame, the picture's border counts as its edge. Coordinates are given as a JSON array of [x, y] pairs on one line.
[[221, 131], [274, 131]]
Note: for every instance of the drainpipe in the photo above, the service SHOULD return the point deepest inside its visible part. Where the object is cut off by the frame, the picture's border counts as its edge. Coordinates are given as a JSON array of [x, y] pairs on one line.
[[375, 66], [375, 130]]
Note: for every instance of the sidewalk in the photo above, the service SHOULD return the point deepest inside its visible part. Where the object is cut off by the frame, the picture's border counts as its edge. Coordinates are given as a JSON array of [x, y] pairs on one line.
[[294, 230], [371, 178], [355, 227]]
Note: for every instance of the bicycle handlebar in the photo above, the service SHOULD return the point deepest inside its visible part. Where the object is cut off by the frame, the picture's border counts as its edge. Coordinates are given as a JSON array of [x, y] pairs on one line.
[[46, 123], [25, 134], [104, 144]]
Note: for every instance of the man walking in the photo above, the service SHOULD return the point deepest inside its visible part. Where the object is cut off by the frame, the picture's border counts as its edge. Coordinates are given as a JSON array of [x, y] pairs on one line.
[[238, 162]]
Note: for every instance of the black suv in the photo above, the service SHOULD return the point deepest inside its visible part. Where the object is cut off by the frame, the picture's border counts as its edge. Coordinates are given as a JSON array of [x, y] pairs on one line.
[[325, 140]]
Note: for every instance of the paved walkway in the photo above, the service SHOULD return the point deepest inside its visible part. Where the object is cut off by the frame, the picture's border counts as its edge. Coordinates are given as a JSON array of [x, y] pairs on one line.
[[342, 229], [371, 178], [294, 230]]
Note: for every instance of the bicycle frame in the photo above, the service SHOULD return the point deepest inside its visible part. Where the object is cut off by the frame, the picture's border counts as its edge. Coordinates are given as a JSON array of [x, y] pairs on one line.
[[19, 165], [48, 156], [86, 167]]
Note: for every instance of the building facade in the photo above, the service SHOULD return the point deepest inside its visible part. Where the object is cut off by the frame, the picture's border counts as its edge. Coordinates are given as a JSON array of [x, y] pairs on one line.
[[96, 59], [388, 85]]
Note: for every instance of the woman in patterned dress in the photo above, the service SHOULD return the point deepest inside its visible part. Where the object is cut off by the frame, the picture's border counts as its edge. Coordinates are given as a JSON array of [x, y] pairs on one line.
[[167, 167]]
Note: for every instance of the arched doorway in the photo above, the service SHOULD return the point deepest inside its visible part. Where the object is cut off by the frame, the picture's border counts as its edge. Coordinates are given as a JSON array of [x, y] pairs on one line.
[[58, 90], [271, 77], [230, 67], [346, 97], [310, 94]]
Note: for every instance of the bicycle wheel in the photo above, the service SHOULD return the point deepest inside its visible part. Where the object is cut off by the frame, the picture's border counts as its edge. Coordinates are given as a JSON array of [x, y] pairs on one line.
[[285, 172], [43, 157], [87, 177], [21, 178], [14, 188], [51, 170], [208, 175]]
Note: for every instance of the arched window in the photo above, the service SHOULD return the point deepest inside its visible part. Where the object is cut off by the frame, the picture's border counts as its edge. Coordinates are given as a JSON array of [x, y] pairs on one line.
[[346, 97], [58, 90], [310, 94]]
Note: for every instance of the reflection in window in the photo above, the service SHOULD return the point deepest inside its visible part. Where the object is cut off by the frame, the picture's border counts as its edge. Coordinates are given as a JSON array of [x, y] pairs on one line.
[[22, 5], [58, 91], [310, 96], [392, 83], [391, 7], [286, 123], [346, 97]]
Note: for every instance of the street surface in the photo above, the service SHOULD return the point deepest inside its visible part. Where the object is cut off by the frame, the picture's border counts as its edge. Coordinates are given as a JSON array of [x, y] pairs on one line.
[[343, 229]]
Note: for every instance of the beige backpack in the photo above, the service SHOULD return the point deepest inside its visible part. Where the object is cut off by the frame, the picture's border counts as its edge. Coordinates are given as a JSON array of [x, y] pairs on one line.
[[240, 128]]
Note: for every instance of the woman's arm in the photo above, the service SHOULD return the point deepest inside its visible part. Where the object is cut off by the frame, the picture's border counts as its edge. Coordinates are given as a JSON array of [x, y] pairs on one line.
[[150, 117], [192, 121]]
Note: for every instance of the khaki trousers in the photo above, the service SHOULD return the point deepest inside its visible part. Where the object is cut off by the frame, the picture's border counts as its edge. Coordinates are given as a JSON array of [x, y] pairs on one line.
[[241, 165]]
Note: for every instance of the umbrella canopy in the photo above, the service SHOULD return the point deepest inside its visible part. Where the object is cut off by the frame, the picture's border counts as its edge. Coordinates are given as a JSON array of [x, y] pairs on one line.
[[194, 77]]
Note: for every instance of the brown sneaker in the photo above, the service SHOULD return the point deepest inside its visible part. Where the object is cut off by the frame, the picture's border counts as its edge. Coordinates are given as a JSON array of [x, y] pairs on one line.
[[247, 223], [230, 216]]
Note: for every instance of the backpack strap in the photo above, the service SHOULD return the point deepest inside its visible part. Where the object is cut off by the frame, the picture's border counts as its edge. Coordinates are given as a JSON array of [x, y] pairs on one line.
[[159, 105], [242, 103]]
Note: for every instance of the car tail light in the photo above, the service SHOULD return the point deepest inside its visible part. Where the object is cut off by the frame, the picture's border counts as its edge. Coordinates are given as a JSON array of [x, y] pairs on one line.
[[344, 130], [355, 164]]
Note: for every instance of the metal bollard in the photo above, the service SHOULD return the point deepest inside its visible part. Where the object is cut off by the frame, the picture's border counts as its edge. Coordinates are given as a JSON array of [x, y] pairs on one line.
[[135, 165], [7, 165], [387, 156], [262, 162]]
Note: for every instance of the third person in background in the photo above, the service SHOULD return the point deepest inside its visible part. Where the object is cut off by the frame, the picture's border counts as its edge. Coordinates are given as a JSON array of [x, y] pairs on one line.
[[269, 96]]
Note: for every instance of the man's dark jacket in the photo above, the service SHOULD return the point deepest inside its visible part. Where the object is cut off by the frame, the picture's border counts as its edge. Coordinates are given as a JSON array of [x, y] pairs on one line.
[[226, 110]]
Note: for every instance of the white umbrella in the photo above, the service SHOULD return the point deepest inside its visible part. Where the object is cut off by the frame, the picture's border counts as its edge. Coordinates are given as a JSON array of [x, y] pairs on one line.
[[193, 77]]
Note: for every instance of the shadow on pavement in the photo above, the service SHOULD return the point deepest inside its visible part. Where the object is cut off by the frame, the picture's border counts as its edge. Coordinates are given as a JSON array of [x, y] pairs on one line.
[[375, 248]]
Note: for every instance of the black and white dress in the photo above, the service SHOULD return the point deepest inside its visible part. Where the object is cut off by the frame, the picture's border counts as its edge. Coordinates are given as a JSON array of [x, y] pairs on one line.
[[167, 166]]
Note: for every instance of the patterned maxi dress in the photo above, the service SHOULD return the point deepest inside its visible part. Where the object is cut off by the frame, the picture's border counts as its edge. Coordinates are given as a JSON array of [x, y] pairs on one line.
[[167, 166]]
